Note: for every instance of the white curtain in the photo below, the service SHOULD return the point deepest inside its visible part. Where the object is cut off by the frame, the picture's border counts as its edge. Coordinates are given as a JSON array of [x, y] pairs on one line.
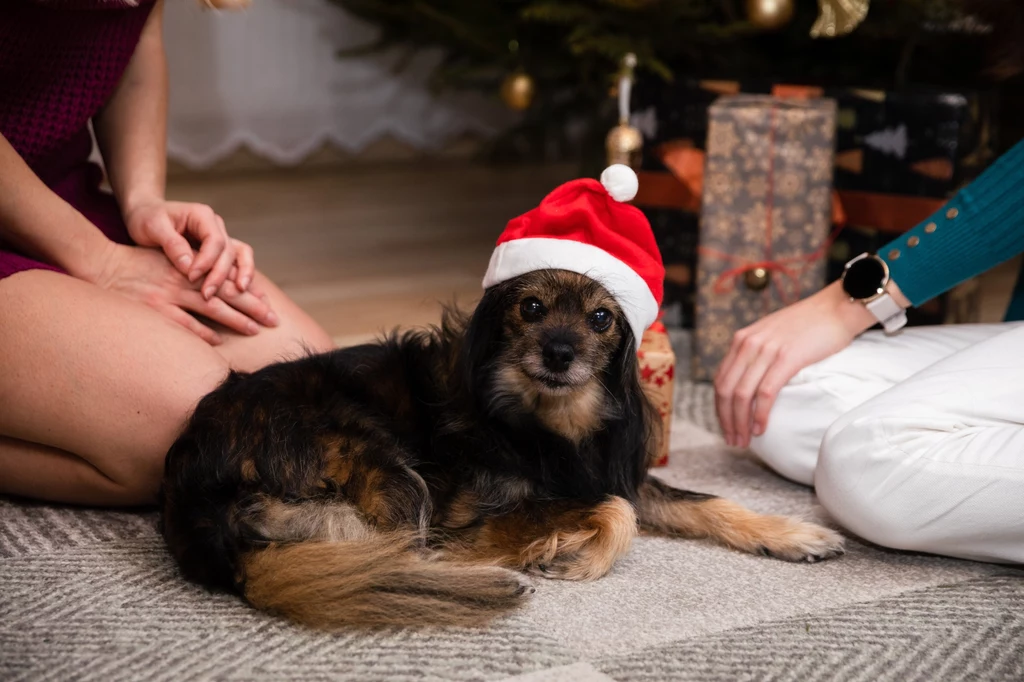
[[269, 78]]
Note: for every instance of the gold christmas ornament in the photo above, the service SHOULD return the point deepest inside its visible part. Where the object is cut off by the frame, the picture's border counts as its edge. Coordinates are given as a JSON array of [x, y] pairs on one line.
[[838, 17], [517, 91], [624, 142], [769, 14], [757, 278]]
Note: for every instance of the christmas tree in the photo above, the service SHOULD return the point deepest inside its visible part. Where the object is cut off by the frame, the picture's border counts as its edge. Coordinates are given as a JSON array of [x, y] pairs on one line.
[[557, 60]]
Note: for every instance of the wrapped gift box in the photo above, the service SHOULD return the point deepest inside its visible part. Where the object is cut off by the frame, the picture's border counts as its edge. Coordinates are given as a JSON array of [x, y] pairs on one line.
[[922, 143], [674, 114], [674, 119], [766, 214], [657, 374], [676, 233], [899, 156], [914, 143]]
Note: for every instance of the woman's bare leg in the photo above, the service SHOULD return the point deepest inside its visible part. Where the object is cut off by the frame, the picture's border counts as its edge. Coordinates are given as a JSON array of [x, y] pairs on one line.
[[94, 388], [33, 470]]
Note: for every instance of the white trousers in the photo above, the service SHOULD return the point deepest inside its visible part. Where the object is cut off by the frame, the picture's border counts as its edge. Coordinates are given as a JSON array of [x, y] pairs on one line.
[[913, 441]]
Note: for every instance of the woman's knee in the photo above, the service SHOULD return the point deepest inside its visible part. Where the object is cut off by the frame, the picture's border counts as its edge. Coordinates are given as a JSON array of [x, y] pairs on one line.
[[138, 474], [863, 482], [796, 425]]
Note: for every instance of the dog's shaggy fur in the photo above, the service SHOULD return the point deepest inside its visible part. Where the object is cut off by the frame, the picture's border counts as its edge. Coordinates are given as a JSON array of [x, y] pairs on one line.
[[415, 480]]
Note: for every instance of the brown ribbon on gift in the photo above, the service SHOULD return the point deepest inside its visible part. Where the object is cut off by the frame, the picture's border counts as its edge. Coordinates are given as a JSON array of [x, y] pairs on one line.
[[727, 280]]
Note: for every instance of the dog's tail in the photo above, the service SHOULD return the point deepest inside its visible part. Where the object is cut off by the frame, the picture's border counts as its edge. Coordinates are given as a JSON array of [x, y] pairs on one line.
[[376, 582]]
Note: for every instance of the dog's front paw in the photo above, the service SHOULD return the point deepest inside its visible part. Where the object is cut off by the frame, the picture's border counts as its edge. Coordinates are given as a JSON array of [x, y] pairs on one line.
[[576, 566], [802, 541], [589, 551]]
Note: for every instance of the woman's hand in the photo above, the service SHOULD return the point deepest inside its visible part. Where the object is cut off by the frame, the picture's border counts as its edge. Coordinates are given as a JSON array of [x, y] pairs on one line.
[[766, 355], [169, 225], [145, 275]]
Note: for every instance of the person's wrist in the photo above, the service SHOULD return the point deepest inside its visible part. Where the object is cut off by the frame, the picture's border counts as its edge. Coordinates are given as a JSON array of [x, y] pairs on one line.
[[853, 315], [894, 290], [89, 256], [139, 199]]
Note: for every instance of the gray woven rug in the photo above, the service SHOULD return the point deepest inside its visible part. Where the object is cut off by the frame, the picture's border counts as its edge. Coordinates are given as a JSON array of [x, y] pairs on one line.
[[91, 595]]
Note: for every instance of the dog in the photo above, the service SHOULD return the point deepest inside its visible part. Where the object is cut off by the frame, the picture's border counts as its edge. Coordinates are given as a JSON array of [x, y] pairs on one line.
[[423, 479]]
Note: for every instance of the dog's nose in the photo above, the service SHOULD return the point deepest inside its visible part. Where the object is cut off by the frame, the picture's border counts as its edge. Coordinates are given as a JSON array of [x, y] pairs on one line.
[[558, 356]]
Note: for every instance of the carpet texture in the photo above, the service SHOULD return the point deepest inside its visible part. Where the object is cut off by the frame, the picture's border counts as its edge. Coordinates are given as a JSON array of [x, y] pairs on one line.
[[91, 595]]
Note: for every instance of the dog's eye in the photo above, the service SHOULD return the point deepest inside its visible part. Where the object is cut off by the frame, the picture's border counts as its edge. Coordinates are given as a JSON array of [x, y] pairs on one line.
[[532, 309], [600, 320]]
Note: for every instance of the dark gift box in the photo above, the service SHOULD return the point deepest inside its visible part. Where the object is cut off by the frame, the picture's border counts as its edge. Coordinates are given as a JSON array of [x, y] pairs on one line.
[[918, 142], [668, 114], [899, 156], [673, 118], [925, 144], [676, 232]]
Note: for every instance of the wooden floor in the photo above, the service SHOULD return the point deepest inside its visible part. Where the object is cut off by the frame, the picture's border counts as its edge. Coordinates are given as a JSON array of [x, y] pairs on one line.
[[368, 250]]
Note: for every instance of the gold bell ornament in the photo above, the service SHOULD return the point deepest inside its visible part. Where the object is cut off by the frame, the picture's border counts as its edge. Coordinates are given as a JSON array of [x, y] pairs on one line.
[[757, 278], [769, 15], [624, 142], [517, 90], [838, 17]]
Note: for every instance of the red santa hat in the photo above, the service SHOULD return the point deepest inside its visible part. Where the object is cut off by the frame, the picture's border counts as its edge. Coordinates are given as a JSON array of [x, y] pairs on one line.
[[585, 226]]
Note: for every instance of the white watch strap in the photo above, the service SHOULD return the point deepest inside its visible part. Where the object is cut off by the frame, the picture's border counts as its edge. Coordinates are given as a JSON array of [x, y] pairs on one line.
[[888, 312]]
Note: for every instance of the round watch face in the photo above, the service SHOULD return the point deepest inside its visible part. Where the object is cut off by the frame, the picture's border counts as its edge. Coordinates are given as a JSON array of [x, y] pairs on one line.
[[865, 278]]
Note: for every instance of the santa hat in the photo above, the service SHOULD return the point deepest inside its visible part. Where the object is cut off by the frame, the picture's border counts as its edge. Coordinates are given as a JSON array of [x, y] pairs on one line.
[[584, 226]]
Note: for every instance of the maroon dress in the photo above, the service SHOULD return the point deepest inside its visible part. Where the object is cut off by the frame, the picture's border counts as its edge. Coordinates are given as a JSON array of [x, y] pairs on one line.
[[60, 62]]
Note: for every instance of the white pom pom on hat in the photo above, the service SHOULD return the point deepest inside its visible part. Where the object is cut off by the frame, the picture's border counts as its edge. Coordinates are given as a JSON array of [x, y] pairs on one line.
[[586, 226], [620, 181]]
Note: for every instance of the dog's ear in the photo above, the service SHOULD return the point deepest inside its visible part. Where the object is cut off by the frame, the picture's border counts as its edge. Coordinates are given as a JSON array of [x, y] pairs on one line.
[[484, 335], [624, 370], [634, 435]]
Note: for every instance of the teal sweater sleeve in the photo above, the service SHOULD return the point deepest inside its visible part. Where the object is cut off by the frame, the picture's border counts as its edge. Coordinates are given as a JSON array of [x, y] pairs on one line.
[[979, 228]]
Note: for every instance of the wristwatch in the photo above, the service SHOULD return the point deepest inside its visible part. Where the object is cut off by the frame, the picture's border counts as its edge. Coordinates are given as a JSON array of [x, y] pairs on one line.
[[864, 279]]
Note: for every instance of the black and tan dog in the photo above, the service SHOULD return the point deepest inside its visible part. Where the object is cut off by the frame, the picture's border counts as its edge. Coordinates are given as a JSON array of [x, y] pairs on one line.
[[415, 480]]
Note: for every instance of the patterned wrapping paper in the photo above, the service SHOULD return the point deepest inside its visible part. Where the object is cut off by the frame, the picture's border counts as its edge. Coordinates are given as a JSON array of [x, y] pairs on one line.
[[766, 204], [915, 143], [657, 374], [676, 233]]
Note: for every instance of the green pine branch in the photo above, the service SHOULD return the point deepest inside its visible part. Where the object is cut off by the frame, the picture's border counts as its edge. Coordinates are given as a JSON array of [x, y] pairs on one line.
[[573, 48]]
